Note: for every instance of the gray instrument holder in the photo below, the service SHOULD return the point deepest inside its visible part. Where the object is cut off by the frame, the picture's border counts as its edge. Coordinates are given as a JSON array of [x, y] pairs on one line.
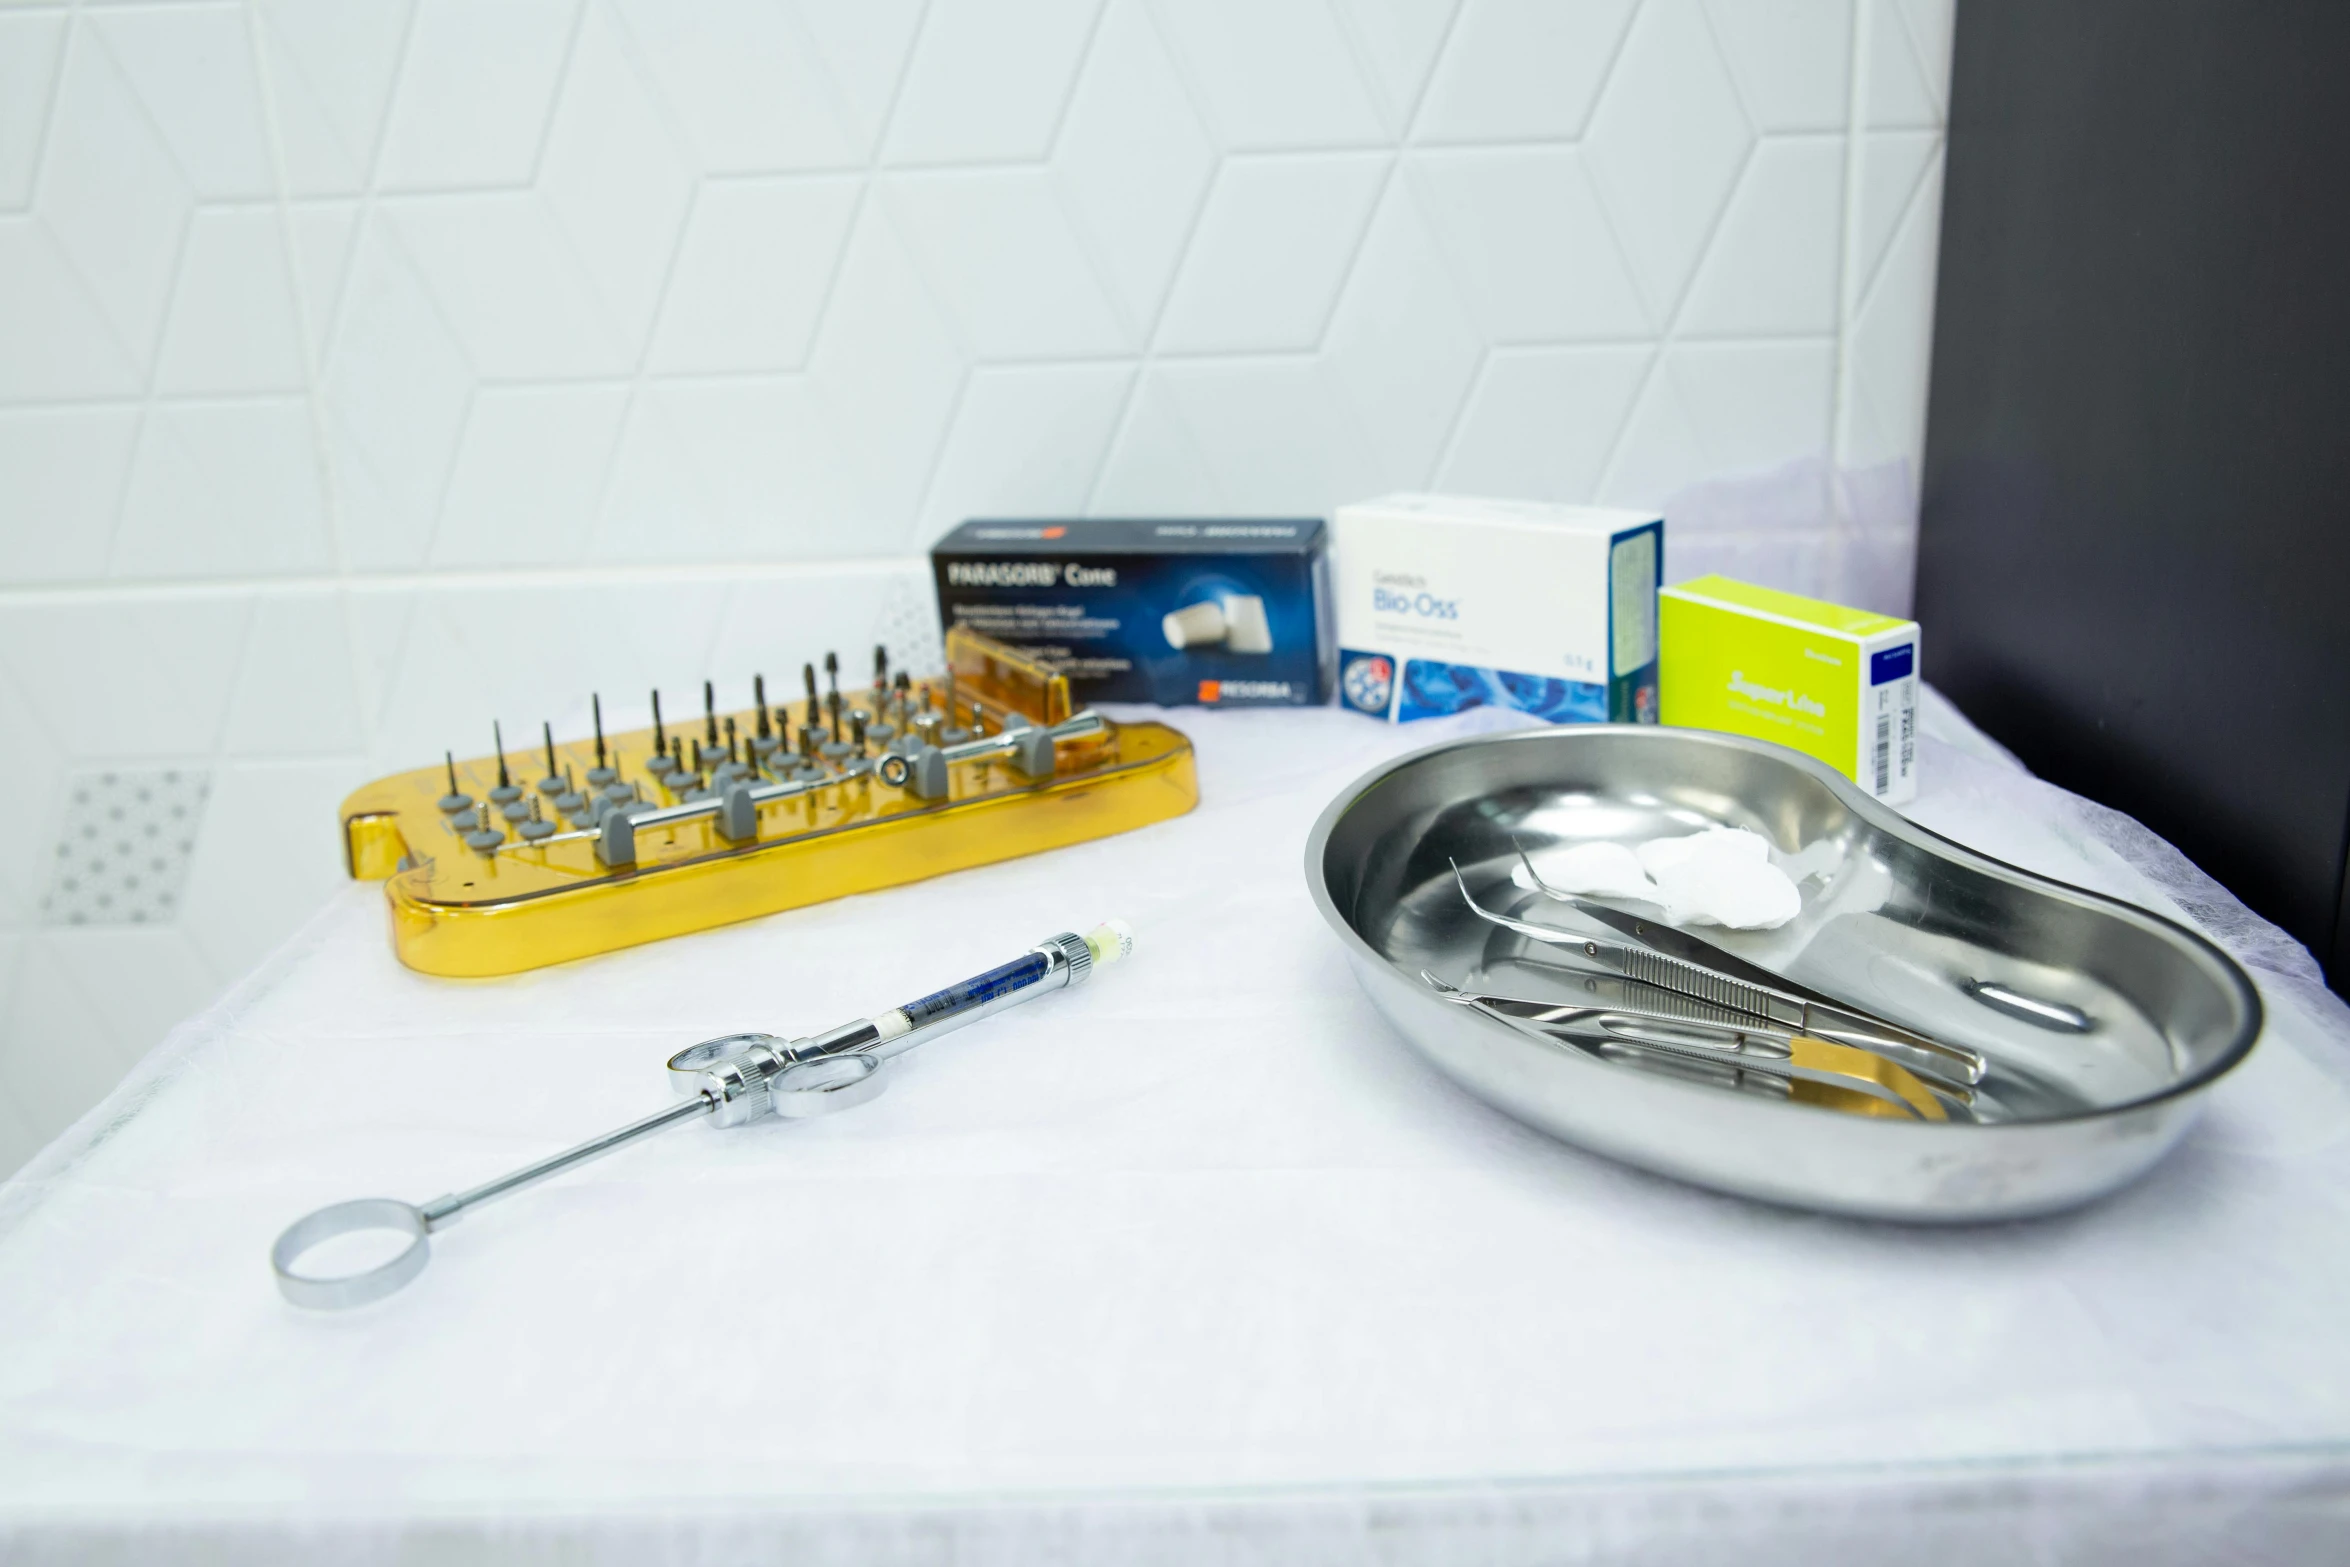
[[738, 814], [926, 772], [616, 843], [1032, 752]]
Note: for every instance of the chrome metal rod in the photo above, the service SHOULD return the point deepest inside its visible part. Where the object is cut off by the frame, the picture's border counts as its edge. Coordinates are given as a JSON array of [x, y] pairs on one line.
[[671, 815], [444, 1211], [1075, 727], [576, 835]]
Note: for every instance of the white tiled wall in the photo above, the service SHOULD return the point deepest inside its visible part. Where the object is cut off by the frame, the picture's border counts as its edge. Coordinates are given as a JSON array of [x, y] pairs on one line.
[[371, 368]]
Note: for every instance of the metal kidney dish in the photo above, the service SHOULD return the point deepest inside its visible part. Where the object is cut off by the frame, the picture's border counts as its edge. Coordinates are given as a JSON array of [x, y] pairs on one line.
[[2102, 1023]]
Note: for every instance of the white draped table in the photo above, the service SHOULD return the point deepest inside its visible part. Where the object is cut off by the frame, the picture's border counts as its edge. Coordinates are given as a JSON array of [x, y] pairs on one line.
[[1194, 1264]]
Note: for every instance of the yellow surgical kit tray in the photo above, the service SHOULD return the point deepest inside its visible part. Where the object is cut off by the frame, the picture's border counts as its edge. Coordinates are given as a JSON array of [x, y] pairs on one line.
[[633, 836]]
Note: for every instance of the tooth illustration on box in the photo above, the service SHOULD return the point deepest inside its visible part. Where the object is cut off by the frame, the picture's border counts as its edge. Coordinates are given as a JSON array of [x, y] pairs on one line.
[[1237, 621], [1195, 625], [1245, 628]]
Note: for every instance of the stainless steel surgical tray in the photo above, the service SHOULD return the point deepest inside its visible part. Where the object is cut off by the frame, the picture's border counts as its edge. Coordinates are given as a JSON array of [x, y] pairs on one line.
[[2102, 1023]]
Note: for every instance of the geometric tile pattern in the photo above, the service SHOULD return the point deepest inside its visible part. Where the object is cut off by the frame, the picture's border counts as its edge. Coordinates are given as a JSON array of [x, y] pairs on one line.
[[378, 364]]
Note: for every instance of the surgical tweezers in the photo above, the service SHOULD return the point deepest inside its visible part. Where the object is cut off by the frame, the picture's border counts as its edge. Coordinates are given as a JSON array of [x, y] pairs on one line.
[[1626, 1015], [1676, 961]]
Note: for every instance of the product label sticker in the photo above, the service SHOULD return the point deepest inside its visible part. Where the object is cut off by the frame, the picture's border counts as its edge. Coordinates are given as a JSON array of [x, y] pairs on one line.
[[1894, 751], [1366, 682], [1632, 584]]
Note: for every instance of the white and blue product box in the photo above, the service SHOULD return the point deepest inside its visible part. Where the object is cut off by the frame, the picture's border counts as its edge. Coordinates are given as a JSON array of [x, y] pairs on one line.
[[1220, 612], [1447, 603]]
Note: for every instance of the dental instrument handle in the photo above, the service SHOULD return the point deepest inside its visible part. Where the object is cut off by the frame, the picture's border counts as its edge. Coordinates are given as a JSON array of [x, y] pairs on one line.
[[444, 1211], [1055, 963], [803, 1078]]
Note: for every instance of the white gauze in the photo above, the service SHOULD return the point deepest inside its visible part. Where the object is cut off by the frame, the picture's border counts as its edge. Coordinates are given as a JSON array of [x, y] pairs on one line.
[[1721, 876]]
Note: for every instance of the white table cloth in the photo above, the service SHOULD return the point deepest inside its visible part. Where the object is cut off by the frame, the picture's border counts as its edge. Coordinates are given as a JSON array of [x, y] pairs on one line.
[[1194, 1264]]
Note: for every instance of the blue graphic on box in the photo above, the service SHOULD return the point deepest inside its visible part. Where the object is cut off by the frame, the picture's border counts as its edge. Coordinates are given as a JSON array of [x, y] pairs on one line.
[[1385, 687], [1430, 690]]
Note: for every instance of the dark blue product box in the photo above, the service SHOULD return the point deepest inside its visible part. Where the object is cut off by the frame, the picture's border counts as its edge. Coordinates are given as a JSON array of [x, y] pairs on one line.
[[1224, 612]]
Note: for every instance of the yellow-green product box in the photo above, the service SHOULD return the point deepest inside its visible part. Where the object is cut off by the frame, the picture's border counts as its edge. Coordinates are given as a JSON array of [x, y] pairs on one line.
[[1839, 684]]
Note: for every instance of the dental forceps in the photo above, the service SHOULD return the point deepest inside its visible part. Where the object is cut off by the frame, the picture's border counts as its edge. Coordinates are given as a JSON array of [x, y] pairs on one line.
[[731, 1080], [1673, 960]]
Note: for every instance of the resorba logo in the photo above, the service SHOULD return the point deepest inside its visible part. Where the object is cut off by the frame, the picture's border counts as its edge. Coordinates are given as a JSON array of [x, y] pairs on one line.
[[1244, 691], [1002, 573]]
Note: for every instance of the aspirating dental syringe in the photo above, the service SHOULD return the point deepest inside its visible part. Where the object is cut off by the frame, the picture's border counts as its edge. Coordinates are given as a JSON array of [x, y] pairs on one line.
[[730, 1080]]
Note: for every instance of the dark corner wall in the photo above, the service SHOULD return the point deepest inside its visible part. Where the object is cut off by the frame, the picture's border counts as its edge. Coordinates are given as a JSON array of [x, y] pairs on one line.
[[2134, 564]]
